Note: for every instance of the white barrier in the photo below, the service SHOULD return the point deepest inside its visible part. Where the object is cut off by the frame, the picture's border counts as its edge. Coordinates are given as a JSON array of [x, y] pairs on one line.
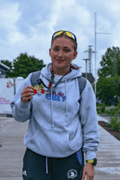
[[8, 86]]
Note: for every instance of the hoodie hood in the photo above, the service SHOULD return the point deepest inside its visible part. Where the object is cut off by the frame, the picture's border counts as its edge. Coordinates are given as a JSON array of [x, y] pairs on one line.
[[73, 74]]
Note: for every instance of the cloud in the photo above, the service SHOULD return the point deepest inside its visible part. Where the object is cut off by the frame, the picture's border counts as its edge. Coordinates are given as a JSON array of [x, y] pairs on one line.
[[9, 33], [113, 7], [27, 26], [116, 35], [18, 34], [9, 16], [66, 15], [67, 3], [103, 24]]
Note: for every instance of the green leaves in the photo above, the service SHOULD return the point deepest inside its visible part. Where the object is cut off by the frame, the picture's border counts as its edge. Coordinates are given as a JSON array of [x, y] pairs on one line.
[[107, 88], [110, 63], [115, 123], [23, 65], [108, 84]]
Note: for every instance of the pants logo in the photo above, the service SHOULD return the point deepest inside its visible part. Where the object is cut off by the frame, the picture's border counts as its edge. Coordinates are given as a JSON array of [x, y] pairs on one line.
[[25, 173], [72, 174]]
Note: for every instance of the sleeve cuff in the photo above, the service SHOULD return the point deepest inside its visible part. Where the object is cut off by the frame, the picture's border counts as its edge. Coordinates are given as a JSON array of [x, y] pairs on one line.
[[90, 155], [22, 105]]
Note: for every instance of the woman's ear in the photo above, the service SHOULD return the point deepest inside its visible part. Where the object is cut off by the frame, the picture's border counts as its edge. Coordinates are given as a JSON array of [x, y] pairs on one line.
[[50, 52], [75, 54]]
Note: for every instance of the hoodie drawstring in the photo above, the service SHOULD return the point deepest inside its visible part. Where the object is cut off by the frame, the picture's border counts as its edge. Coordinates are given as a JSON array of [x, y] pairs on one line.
[[66, 110], [52, 110], [65, 104], [46, 165], [66, 98]]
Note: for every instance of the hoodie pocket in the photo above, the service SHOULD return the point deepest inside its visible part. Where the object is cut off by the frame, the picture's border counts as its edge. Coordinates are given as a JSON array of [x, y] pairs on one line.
[[50, 142]]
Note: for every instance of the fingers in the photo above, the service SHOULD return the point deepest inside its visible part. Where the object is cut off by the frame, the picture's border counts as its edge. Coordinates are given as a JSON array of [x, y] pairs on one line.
[[27, 93]]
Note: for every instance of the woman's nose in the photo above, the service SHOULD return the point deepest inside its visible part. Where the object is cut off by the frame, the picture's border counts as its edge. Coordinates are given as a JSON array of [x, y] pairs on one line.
[[60, 53]]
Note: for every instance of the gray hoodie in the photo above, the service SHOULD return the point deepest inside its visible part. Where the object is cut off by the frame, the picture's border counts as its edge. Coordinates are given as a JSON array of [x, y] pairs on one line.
[[55, 128]]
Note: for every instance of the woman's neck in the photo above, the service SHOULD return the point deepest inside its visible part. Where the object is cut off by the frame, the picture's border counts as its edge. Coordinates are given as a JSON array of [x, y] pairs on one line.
[[59, 71]]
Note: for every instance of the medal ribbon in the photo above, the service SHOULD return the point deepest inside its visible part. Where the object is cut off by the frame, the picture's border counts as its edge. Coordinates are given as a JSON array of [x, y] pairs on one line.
[[52, 77]]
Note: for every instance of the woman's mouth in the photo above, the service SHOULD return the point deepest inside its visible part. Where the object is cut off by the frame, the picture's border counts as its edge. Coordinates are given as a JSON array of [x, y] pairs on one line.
[[59, 60]]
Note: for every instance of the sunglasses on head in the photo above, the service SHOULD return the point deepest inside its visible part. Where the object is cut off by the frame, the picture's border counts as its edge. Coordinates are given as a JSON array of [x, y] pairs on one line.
[[67, 33]]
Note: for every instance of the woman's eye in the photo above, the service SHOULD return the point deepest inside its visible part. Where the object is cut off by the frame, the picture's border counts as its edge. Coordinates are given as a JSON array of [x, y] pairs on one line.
[[56, 49], [66, 50]]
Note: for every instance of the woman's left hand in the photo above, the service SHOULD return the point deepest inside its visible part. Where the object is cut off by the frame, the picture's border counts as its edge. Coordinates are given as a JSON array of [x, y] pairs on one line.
[[89, 171]]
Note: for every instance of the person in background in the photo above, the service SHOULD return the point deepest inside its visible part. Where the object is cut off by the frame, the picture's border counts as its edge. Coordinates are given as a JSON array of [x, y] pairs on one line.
[[58, 124]]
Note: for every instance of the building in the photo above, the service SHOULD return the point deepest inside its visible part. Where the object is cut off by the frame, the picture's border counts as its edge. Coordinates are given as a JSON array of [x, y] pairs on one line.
[[3, 69]]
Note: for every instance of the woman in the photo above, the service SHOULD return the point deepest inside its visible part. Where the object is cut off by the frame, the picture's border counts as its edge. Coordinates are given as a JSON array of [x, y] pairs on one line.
[[54, 138]]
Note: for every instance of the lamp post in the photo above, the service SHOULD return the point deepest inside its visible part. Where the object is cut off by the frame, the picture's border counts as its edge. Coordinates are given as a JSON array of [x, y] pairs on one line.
[[95, 50]]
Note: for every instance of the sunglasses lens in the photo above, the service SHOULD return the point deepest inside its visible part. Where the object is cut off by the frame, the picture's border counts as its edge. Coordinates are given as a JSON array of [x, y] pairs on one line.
[[68, 34], [59, 33]]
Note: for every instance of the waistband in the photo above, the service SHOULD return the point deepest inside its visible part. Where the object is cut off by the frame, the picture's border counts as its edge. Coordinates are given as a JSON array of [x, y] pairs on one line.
[[80, 156]]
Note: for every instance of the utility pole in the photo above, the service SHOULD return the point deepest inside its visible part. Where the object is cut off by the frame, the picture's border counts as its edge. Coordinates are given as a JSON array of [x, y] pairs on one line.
[[86, 66], [89, 57], [95, 51]]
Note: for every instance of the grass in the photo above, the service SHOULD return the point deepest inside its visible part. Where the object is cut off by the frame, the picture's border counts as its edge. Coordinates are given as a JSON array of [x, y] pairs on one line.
[[113, 113]]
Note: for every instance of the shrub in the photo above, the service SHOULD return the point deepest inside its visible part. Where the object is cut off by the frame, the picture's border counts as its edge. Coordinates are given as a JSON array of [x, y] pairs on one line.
[[115, 120], [103, 108], [112, 112], [99, 111], [107, 112], [115, 123]]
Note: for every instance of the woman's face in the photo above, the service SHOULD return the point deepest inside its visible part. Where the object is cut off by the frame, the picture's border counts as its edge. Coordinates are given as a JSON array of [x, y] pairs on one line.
[[62, 53]]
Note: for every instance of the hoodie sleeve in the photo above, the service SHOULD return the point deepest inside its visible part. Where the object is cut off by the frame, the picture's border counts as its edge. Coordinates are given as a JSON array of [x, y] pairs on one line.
[[89, 123], [21, 111]]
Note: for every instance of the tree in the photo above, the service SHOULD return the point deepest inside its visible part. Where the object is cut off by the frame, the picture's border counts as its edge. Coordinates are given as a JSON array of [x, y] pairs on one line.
[[116, 85], [108, 88], [110, 63], [23, 65], [108, 85]]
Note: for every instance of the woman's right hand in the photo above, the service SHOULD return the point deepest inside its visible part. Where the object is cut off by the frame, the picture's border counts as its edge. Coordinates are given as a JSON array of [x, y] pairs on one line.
[[27, 93]]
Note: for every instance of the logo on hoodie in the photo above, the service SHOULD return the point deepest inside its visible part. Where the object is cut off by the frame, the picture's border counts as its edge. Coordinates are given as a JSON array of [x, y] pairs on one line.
[[56, 96]]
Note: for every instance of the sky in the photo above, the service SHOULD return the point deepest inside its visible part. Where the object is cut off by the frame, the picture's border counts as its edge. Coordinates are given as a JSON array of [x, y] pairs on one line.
[[28, 25]]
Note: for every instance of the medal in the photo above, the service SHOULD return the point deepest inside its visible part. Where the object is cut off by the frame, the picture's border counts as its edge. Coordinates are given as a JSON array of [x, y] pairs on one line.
[[39, 89]]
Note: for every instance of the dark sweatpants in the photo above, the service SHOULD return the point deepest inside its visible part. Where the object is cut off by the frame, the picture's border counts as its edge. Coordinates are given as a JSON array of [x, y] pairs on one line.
[[34, 167]]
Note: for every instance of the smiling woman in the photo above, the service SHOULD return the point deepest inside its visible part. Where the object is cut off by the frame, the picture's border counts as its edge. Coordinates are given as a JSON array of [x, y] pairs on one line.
[[55, 141], [63, 51]]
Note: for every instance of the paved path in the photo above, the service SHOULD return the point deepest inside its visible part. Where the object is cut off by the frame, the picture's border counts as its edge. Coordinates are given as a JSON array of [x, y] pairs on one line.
[[13, 149], [108, 156]]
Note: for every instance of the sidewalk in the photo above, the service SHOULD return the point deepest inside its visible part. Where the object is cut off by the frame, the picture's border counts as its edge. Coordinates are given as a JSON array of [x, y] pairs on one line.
[[108, 156], [13, 149]]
